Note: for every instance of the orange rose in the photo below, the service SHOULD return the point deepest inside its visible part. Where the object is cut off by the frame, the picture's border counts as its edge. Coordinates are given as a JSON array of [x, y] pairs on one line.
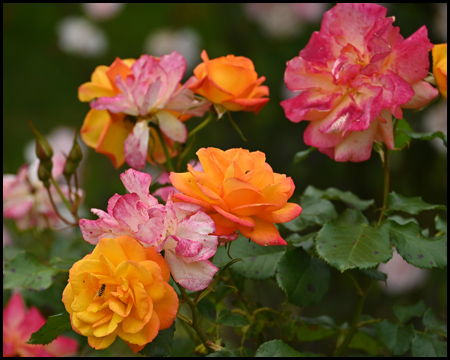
[[240, 191], [120, 289], [231, 82], [440, 67]]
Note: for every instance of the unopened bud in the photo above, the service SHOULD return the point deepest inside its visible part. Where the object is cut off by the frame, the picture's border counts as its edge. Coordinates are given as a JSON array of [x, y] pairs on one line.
[[45, 172], [74, 158], [44, 151]]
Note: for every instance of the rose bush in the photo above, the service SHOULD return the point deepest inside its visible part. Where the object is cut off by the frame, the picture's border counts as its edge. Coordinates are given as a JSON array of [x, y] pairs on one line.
[[120, 289], [240, 191], [354, 75]]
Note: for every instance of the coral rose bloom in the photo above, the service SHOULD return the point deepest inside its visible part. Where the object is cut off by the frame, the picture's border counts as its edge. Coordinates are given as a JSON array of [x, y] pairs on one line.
[[239, 190], [354, 74], [440, 67], [120, 289], [230, 82]]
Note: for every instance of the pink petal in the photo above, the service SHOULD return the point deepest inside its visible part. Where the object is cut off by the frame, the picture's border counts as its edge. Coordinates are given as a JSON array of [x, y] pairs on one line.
[[139, 183], [195, 276], [136, 145], [424, 93]]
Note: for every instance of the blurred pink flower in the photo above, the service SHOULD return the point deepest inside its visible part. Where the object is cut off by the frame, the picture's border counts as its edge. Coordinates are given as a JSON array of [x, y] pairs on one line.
[[354, 74], [102, 11], [25, 199], [181, 229], [19, 324], [152, 92], [402, 277]]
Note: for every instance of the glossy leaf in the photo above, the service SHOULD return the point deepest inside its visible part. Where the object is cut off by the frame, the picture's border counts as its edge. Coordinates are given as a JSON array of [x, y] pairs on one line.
[[276, 348], [396, 337], [227, 318], [350, 242], [410, 205], [305, 279], [26, 271], [347, 197], [161, 345], [48, 332], [415, 248], [404, 313], [302, 155], [316, 211], [428, 345], [259, 262]]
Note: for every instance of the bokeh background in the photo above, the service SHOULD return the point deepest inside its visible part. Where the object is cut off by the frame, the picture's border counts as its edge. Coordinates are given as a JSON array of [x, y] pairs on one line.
[[51, 49]]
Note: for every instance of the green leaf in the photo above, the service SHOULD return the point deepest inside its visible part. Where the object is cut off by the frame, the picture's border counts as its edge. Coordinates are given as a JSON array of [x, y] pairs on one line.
[[428, 345], [432, 322], [26, 271], [364, 342], [404, 313], [302, 155], [349, 242], [229, 319], [315, 212], [424, 136], [347, 197], [161, 345], [440, 224], [221, 353], [401, 138], [259, 262], [410, 205], [48, 332], [396, 337], [304, 279], [415, 248], [374, 274], [207, 309], [276, 348], [309, 332]]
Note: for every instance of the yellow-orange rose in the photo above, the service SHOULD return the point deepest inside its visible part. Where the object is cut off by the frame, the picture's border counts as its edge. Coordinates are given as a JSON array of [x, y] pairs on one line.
[[231, 82], [120, 289], [440, 68], [240, 191]]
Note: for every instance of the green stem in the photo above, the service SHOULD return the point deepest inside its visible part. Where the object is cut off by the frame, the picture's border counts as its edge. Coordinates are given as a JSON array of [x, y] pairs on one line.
[[201, 125], [385, 181], [56, 209], [164, 146], [195, 324], [353, 327]]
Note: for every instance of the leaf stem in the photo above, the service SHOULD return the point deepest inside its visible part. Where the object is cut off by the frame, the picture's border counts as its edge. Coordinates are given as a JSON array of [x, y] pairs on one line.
[[201, 125]]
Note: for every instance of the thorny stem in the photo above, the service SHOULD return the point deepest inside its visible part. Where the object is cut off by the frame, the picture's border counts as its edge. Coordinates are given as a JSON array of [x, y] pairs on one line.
[[195, 324]]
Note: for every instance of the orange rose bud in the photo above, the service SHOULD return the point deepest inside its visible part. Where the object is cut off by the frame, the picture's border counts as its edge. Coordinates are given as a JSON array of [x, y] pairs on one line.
[[240, 191], [439, 53], [231, 82], [120, 289]]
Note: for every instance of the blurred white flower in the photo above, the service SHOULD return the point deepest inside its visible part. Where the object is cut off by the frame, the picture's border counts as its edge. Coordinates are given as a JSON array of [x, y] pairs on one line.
[[282, 20], [402, 277], [163, 41], [78, 36], [102, 11]]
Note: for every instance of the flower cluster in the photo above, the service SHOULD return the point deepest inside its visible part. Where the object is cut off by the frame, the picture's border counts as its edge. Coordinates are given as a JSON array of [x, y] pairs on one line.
[[180, 229], [354, 75]]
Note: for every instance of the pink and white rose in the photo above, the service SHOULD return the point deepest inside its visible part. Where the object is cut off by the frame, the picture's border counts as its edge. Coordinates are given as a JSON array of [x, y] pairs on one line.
[[182, 230], [353, 76]]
